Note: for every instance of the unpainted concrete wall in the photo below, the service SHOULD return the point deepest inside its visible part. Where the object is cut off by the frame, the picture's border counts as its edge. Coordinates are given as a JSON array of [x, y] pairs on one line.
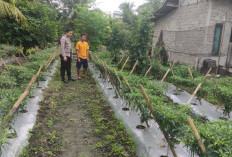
[[188, 31]]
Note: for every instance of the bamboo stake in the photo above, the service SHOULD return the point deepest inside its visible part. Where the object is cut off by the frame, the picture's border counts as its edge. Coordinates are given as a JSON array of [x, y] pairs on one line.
[[4, 63], [23, 55], [17, 60], [112, 58], [22, 97], [110, 77], [16, 105], [198, 137], [40, 68], [127, 84], [53, 57], [119, 62], [134, 67], [34, 77], [98, 59], [91, 54], [158, 122], [149, 69], [198, 87], [170, 69], [190, 73], [118, 77], [106, 71], [173, 64], [50, 57], [166, 74], [125, 63]]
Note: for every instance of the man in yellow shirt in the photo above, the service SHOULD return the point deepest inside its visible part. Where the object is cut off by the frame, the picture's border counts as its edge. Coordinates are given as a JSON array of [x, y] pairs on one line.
[[82, 48]]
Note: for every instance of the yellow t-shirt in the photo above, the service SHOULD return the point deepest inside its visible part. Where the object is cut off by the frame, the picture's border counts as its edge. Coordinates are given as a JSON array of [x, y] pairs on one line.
[[82, 48]]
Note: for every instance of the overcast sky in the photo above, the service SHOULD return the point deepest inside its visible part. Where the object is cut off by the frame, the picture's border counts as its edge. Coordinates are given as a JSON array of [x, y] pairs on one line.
[[109, 6]]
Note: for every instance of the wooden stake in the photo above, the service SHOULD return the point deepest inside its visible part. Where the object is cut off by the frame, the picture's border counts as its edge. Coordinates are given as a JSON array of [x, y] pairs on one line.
[[190, 73], [127, 84], [119, 62], [23, 55], [53, 57], [166, 74], [40, 68], [125, 63], [158, 122], [198, 87], [34, 77], [116, 73], [173, 64], [16, 105], [112, 59], [17, 60], [106, 71], [149, 69], [91, 54], [134, 67], [191, 124], [4, 63]]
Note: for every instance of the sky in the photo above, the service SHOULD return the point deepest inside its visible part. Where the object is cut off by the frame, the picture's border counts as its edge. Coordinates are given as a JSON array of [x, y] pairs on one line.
[[109, 6]]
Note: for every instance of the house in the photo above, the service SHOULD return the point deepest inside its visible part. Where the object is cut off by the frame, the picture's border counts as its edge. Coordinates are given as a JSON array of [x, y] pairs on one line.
[[194, 30]]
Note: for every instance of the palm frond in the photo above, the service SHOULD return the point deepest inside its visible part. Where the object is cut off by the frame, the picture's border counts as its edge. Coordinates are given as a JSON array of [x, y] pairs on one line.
[[8, 10]]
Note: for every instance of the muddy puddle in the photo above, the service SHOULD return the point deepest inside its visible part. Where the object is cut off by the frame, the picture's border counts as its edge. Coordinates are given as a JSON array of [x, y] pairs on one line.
[[149, 141], [24, 121]]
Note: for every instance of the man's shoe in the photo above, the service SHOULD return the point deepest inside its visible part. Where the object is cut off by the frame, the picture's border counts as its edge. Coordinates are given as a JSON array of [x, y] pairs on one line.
[[64, 80], [71, 79]]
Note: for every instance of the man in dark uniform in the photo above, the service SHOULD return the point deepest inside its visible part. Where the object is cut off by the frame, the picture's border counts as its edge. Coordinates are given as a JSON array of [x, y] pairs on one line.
[[66, 56]]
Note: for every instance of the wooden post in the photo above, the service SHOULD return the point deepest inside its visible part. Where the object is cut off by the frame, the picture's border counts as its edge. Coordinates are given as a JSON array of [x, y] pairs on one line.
[[166, 74], [17, 60], [134, 67], [118, 77], [127, 84], [119, 62], [191, 124], [149, 69], [190, 73], [125, 63], [158, 122], [198, 87], [4, 63]]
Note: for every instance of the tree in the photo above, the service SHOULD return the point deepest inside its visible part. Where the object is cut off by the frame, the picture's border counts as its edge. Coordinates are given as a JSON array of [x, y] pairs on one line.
[[127, 12], [93, 22], [9, 10], [42, 29]]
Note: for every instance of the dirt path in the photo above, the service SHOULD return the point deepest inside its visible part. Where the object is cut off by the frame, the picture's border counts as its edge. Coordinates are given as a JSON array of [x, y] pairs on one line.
[[75, 121]]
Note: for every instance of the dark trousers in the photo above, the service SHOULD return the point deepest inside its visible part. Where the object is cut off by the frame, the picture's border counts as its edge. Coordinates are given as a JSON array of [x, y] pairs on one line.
[[65, 66]]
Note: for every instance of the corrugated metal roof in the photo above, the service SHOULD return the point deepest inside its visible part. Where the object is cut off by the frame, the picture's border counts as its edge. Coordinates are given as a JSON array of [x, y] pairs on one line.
[[167, 7]]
